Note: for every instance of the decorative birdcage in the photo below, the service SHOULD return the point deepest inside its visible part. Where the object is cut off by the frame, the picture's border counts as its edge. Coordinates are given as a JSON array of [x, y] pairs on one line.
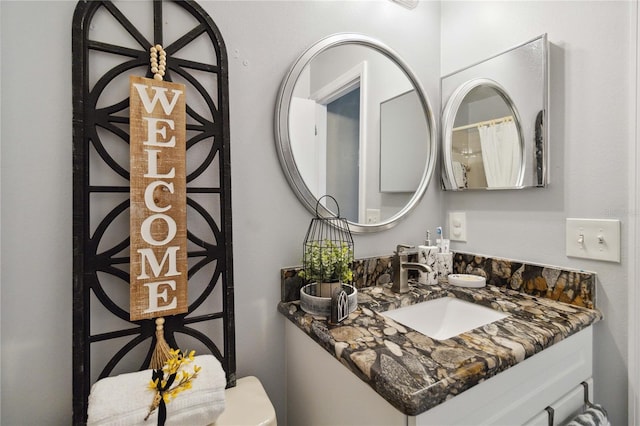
[[328, 251]]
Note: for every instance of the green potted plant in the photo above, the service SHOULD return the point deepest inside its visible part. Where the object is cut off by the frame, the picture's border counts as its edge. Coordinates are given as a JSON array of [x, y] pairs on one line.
[[328, 264], [327, 261]]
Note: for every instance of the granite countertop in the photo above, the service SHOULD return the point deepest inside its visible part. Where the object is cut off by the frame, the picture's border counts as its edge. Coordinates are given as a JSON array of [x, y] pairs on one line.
[[414, 372]]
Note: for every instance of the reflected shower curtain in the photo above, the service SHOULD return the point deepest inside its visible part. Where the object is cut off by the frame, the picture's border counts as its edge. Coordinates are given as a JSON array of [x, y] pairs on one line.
[[501, 154]]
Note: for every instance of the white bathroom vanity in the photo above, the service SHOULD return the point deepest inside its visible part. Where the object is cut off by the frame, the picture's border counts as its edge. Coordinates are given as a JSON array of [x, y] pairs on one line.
[[372, 370]]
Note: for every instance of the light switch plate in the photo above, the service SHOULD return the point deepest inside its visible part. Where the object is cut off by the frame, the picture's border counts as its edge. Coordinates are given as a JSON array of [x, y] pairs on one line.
[[458, 226], [597, 239], [373, 216]]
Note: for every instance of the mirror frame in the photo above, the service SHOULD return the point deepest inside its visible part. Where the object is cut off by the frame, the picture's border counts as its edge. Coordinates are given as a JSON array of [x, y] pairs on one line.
[[283, 139], [449, 117]]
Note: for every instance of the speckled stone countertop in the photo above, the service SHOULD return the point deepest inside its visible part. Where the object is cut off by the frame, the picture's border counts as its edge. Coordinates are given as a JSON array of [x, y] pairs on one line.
[[414, 372]]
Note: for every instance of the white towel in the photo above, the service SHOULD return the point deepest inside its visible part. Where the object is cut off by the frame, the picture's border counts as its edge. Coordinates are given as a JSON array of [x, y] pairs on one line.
[[594, 415], [125, 399]]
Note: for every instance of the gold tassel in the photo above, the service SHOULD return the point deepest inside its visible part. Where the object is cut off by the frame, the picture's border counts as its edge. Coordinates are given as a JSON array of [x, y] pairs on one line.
[[161, 351]]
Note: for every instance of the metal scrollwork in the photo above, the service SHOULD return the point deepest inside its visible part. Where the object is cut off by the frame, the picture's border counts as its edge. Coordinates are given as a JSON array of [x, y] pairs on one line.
[[111, 41]]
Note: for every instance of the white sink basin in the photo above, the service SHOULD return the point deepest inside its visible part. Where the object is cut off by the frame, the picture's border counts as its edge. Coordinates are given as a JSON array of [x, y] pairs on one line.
[[446, 317]]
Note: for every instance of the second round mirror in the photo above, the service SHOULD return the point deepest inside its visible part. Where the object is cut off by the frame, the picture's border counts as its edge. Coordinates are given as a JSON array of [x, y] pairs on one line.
[[483, 138]]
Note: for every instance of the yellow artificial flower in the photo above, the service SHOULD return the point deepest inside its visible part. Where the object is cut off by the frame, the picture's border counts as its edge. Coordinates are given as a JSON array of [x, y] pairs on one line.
[[183, 379]]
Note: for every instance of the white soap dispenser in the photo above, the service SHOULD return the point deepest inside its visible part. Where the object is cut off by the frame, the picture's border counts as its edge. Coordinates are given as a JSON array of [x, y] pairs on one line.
[[444, 258], [427, 255]]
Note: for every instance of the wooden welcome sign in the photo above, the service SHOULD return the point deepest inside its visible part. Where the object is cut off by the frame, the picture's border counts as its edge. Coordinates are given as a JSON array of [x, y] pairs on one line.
[[158, 224]]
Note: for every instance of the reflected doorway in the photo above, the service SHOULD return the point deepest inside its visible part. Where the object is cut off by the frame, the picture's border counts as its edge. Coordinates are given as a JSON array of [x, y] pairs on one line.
[[343, 152]]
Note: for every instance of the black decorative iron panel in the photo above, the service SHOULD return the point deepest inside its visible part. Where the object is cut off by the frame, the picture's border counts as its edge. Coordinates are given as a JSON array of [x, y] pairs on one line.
[[111, 40]]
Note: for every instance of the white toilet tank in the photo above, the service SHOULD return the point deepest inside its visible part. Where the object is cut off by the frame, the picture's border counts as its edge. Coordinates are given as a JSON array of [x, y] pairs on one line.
[[247, 404]]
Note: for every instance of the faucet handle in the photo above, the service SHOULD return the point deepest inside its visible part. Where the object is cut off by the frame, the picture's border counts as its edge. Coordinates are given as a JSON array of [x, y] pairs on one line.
[[400, 248]]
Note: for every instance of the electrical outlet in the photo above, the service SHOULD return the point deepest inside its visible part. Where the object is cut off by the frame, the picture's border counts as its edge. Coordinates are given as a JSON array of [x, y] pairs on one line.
[[458, 226], [373, 215], [597, 239]]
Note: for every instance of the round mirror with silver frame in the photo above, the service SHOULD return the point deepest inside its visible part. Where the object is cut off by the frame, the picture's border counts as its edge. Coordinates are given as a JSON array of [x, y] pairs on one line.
[[483, 145], [391, 109]]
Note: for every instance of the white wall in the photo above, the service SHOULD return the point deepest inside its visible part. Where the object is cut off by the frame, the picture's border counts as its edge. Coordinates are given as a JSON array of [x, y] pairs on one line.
[[0, 217], [591, 123], [36, 213], [263, 38]]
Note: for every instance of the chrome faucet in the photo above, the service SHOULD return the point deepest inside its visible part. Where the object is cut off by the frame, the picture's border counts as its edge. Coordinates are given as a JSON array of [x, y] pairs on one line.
[[401, 267]]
